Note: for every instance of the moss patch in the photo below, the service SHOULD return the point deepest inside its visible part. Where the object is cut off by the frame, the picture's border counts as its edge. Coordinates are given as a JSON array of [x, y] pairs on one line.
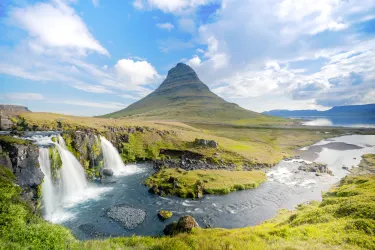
[[190, 183], [13, 140]]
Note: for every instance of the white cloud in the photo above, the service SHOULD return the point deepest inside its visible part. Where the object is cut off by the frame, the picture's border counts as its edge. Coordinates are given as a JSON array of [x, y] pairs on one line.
[[95, 2], [106, 105], [187, 25], [128, 96], [92, 88], [55, 25], [24, 96], [253, 48], [136, 72], [195, 61], [165, 26], [170, 6]]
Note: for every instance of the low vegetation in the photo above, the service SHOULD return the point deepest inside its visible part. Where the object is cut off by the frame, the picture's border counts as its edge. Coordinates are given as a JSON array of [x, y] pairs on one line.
[[195, 183], [6, 139]]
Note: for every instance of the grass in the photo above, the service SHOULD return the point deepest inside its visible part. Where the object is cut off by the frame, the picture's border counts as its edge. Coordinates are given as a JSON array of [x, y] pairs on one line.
[[366, 166], [187, 183]]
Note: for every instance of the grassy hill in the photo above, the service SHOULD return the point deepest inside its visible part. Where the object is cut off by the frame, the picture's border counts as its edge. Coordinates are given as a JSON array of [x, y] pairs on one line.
[[184, 97]]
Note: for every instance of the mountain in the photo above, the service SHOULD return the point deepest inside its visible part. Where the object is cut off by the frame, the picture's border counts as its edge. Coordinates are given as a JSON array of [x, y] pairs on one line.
[[13, 109], [351, 110], [183, 96]]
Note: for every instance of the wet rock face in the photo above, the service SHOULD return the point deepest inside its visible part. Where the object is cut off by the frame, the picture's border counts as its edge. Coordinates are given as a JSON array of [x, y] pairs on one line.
[[184, 225], [127, 216], [23, 161], [107, 172]]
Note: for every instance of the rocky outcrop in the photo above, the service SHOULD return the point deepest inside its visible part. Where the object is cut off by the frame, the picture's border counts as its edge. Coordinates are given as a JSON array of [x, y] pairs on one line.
[[22, 160], [314, 167], [184, 225], [206, 143], [127, 216]]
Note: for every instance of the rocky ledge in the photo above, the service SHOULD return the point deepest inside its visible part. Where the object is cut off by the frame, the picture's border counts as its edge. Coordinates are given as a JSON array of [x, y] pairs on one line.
[[127, 216]]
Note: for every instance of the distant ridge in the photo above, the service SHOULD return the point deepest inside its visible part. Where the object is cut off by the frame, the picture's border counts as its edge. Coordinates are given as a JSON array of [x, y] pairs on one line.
[[13, 109], [183, 96], [350, 110]]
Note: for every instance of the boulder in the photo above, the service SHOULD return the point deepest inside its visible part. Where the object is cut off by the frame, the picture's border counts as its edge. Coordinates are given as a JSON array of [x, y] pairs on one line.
[[206, 143], [127, 216], [164, 214], [107, 172], [184, 225]]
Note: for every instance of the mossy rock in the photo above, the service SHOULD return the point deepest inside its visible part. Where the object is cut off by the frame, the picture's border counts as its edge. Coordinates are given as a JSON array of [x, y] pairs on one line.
[[164, 214], [184, 225]]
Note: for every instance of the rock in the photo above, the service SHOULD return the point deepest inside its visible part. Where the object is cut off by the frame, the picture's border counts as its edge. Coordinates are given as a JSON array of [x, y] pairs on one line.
[[344, 167], [107, 172], [206, 143], [127, 216], [154, 189], [315, 168], [22, 160], [199, 189], [164, 214], [184, 225], [170, 228]]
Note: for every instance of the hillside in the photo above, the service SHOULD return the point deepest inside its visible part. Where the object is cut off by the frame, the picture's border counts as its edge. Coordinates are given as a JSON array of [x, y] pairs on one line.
[[351, 110], [184, 97]]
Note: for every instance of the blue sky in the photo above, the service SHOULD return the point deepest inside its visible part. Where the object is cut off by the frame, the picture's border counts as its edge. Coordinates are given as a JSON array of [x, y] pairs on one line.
[[91, 57]]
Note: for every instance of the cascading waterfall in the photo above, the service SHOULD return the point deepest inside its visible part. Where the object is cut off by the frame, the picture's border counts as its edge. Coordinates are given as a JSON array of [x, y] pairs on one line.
[[48, 189], [112, 158], [73, 179]]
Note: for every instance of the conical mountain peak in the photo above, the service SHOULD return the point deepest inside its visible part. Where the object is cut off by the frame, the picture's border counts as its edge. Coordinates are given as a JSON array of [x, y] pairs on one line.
[[181, 73], [183, 96]]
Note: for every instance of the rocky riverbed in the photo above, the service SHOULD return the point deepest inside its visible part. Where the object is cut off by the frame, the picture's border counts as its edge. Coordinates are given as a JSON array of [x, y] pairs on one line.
[[127, 216]]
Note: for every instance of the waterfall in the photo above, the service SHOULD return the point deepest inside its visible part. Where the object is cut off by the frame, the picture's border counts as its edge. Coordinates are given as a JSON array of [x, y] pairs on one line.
[[48, 189], [73, 179], [112, 159], [70, 189]]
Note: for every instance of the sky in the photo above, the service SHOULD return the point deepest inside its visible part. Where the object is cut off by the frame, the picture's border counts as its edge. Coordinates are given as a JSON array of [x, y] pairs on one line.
[[92, 57]]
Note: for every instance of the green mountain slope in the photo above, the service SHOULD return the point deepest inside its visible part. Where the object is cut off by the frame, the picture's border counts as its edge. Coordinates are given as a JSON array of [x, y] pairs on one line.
[[184, 97]]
